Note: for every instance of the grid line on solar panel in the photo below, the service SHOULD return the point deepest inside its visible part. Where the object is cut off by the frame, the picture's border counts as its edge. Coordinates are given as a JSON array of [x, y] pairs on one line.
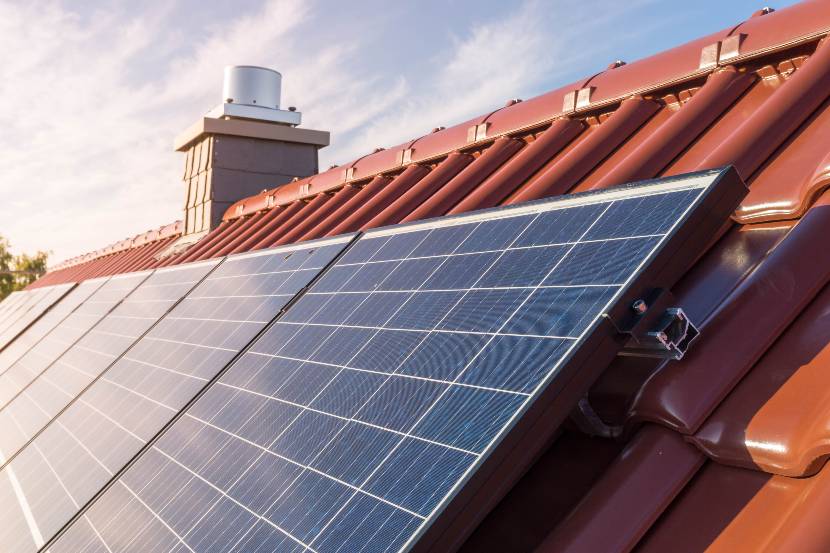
[[56, 339], [46, 300], [52, 390], [26, 299], [20, 302], [10, 301], [238, 422], [13, 316], [112, 419]]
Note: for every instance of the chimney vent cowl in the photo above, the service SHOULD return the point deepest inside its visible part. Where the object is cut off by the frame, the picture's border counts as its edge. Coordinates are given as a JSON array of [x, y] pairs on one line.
[[252, 86], [251, 92]]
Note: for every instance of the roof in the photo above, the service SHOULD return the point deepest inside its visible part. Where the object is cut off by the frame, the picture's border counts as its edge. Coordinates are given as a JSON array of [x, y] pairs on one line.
[[723, 450]]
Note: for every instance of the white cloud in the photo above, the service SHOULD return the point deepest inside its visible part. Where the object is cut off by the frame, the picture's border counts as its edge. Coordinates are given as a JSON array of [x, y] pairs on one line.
[[91, 101]]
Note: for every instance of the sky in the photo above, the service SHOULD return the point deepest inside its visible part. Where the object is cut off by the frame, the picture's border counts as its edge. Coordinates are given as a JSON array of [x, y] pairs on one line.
[[93, 93]]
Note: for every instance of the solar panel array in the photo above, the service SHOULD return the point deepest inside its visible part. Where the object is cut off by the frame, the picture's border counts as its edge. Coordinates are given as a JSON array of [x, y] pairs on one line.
[[11, 302], [21, 373], [46, 324], [15, 305], [44, 397], [339, 395], [98, 432], [354, 419], [44, 299]]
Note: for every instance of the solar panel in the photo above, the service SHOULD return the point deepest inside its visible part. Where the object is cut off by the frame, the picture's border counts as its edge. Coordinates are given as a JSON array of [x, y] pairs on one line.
[[371, 413], [25, 369], [10, 302], [28, 299], [97, 434], [48, 297], [36, 401], [13, 302], [47, 323]]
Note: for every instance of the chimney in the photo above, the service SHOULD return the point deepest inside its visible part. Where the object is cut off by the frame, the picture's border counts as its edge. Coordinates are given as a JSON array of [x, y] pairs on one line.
[[242, 146]]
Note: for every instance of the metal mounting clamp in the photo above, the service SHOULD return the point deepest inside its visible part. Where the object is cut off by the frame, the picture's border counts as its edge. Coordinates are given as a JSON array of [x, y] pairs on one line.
[[656, 328]]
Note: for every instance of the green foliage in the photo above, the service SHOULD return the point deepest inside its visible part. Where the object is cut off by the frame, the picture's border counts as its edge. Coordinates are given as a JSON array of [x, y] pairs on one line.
[[18, 271]]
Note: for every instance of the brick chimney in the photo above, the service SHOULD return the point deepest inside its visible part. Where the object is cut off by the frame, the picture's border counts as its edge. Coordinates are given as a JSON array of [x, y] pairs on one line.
[[242, 146]]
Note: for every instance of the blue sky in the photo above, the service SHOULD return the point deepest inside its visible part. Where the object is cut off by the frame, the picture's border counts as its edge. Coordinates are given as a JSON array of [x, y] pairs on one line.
[[94, 92]]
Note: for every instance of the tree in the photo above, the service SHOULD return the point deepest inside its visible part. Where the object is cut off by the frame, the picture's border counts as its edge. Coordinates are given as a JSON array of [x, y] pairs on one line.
[[18, 271]]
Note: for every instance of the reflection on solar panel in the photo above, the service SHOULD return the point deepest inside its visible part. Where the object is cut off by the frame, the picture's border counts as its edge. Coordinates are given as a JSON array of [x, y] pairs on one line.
[[29, 299], [46, 324], [357, 418], [67, 463], [37, 401], [15, 304], [24, 370], [11, 302], [46, 298]]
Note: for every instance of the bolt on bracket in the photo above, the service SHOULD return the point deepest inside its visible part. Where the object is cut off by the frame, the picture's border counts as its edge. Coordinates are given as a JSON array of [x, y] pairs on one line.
[[656, 328]]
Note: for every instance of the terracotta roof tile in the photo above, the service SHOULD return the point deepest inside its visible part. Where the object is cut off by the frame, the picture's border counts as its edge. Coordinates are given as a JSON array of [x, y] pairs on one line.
[[778, 417], [726, 509]]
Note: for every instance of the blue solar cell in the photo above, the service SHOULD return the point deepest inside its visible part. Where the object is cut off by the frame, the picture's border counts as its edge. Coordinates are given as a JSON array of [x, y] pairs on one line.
[[468, 418], [409, 274], [387, 384], [418, 475], [373, 307], [514, 363], [386, 350], [483, 310], [602, 262], [442, 355], [306, 382], [351, 456], [424, 310], [523, 267], [642, 216], [494, 235], [436, 242], [307, 506], [306, 436], [366, 525], [369, 276], [264, 481], [561, 312], [343, 343], [401, 247], [400, 402], [560, 226], [346, 392]]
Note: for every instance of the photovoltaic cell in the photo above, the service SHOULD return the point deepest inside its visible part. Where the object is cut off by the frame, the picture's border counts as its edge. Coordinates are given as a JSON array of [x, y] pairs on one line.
[[46, 298], [60, 338], [38, 400], [47, 323], [67, 463], [354, 419], [11, 302], [23, 303], [15, 304], [71, 327]]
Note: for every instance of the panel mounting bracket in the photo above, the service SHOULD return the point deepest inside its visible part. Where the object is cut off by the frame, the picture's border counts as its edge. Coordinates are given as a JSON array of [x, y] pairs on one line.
[[656, 327]]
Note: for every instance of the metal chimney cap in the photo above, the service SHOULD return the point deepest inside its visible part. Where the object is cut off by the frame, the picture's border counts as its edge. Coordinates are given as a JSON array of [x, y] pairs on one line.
[[252, 92], [252, 86]]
